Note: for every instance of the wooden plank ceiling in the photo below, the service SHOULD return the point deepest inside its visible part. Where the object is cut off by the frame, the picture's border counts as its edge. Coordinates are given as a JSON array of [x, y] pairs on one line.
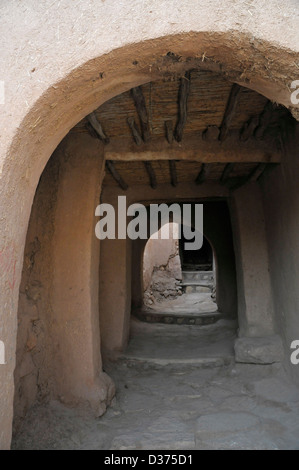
[[197, 128]]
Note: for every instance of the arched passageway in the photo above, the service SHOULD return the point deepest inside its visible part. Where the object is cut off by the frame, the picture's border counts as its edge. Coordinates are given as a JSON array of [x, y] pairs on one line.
[[68, 301], [217, 228]]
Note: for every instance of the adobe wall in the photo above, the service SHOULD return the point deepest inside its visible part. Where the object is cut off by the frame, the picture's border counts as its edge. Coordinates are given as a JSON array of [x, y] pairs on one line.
[[281, 203], [218, 230], [242, 245], [115, 294], [255, 306], [58, 344], [34, 367]]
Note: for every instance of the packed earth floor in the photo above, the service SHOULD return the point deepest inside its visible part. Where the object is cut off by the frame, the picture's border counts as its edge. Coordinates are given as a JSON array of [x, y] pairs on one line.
[[177, 388]]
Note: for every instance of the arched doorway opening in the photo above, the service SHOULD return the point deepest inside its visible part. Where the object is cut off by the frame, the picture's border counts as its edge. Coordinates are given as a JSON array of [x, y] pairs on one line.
[[73, 299], [176, 279], [160, 295]]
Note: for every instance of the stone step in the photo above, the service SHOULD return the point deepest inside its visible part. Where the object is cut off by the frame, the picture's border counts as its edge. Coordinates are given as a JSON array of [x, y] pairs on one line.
[[197, 283], [197, 362], [196, 288], [197, 276], [197, 267], [196, 271], [202, 318]]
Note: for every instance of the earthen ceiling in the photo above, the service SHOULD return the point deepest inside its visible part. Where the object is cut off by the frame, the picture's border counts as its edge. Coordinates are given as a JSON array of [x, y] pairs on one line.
[[197, 127]]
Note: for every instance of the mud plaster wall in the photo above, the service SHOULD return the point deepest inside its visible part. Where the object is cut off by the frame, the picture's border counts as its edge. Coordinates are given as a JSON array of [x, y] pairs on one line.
[[281, 205], [58, 351], [218, 231], [158, 253], [33, 373], [115, 294], [255, 305]]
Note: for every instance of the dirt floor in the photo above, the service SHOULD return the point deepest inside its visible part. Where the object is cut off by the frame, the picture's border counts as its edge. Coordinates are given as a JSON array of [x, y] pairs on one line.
[[177, 388], [191, 303]]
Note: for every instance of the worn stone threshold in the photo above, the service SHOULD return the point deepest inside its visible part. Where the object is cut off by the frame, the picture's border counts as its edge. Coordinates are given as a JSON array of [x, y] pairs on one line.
[[179, 318]]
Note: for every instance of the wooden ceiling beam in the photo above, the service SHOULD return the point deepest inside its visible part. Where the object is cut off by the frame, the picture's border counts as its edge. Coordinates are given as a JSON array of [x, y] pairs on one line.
[[96, 126], [173, 173], [151, 173], [169, 131], [183, 100], [195, 148], [257, 172], [203, 174], [264, 120], [140, 106], [211, 133], [135, 132], [254, 175], [249, 128], [226, 172], [230, 111], [116, 175]]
